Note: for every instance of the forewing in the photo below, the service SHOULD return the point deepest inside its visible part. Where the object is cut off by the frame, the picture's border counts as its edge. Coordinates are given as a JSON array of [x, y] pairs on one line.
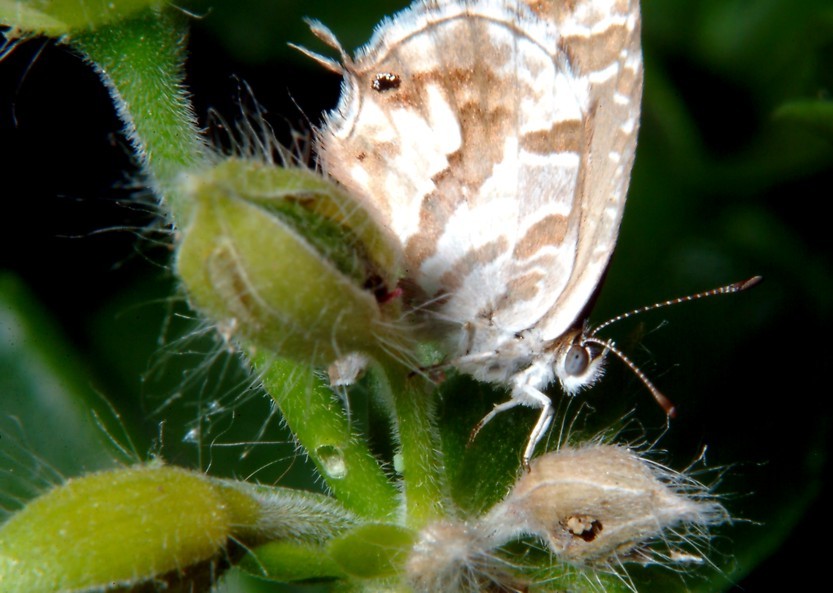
[[473, 131], [602, 41]]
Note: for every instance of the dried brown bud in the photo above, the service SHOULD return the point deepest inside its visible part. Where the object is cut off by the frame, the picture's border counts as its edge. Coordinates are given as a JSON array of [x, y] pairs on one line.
[[595, 506], [604, 503]]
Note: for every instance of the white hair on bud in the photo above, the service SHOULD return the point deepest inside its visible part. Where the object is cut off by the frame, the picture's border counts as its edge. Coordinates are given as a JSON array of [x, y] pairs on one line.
[[459, 557], [604, 505], [596, 507]]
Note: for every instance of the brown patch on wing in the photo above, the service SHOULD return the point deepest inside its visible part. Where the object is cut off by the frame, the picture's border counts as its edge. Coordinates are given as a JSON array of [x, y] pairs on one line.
[[484, 129], [483, 124], [598, 51], [624, 6], [564, 136], [435, 210], [540, 7], [484, 254], [547, 231], [578, 211], [523, 288], [561, 11], [548, 9], [628, 81]]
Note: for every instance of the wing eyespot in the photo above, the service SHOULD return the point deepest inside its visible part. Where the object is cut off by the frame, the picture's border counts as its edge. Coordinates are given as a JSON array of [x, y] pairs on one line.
[[386, 81]]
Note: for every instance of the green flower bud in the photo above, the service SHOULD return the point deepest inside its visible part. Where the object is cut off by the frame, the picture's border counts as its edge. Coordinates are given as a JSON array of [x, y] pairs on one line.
[[287, 561], [114, 527], [126, 526], [61, 17], [288, 261]]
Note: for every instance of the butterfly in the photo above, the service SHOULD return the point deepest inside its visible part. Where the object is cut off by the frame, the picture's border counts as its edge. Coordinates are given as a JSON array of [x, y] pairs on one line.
[[495, 140]]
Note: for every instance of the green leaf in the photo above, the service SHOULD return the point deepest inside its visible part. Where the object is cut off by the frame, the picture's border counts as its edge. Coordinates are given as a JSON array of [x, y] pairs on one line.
[[814, 115], [482, 470], [46, 392]]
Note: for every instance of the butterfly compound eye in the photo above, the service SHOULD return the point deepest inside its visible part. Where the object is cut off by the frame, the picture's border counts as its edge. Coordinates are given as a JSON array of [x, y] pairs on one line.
[[576, 361]]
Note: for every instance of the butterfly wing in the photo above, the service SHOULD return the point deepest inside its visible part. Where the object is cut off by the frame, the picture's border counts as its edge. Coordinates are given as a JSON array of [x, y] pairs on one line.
[[602, 41], [475, 131]]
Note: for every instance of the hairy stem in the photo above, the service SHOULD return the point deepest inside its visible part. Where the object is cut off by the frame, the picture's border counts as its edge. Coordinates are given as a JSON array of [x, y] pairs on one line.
[[141, 60], [321, 426], [420, 461]]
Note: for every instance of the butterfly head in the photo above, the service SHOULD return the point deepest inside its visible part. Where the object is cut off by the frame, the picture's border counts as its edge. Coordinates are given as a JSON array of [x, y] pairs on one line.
[[579, 361]]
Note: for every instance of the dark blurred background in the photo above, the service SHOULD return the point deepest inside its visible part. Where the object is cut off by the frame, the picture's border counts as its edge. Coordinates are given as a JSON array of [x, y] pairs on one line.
[[733, 177]]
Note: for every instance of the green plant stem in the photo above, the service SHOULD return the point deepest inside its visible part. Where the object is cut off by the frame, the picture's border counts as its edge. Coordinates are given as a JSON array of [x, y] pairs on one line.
[[141, 61], [318, 421], [425, 484]]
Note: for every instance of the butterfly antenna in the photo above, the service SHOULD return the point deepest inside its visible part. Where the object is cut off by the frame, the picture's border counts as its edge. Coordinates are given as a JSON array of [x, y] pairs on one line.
[[665, 403], [728, 289]]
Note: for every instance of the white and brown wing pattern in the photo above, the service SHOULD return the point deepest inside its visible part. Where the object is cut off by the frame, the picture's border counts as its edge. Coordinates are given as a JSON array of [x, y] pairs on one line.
[[495, 139]]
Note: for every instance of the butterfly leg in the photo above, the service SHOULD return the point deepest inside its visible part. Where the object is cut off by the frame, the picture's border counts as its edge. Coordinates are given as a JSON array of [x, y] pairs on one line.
[[477, 357], [541, 425], [531, 397], [507, 405]]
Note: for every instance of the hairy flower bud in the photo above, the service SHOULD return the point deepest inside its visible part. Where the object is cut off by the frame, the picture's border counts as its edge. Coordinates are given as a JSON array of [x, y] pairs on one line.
[[135, 524], [596, 507], [289, 261], [600, 503], [113, 527], [457, 557], [62, 17]]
